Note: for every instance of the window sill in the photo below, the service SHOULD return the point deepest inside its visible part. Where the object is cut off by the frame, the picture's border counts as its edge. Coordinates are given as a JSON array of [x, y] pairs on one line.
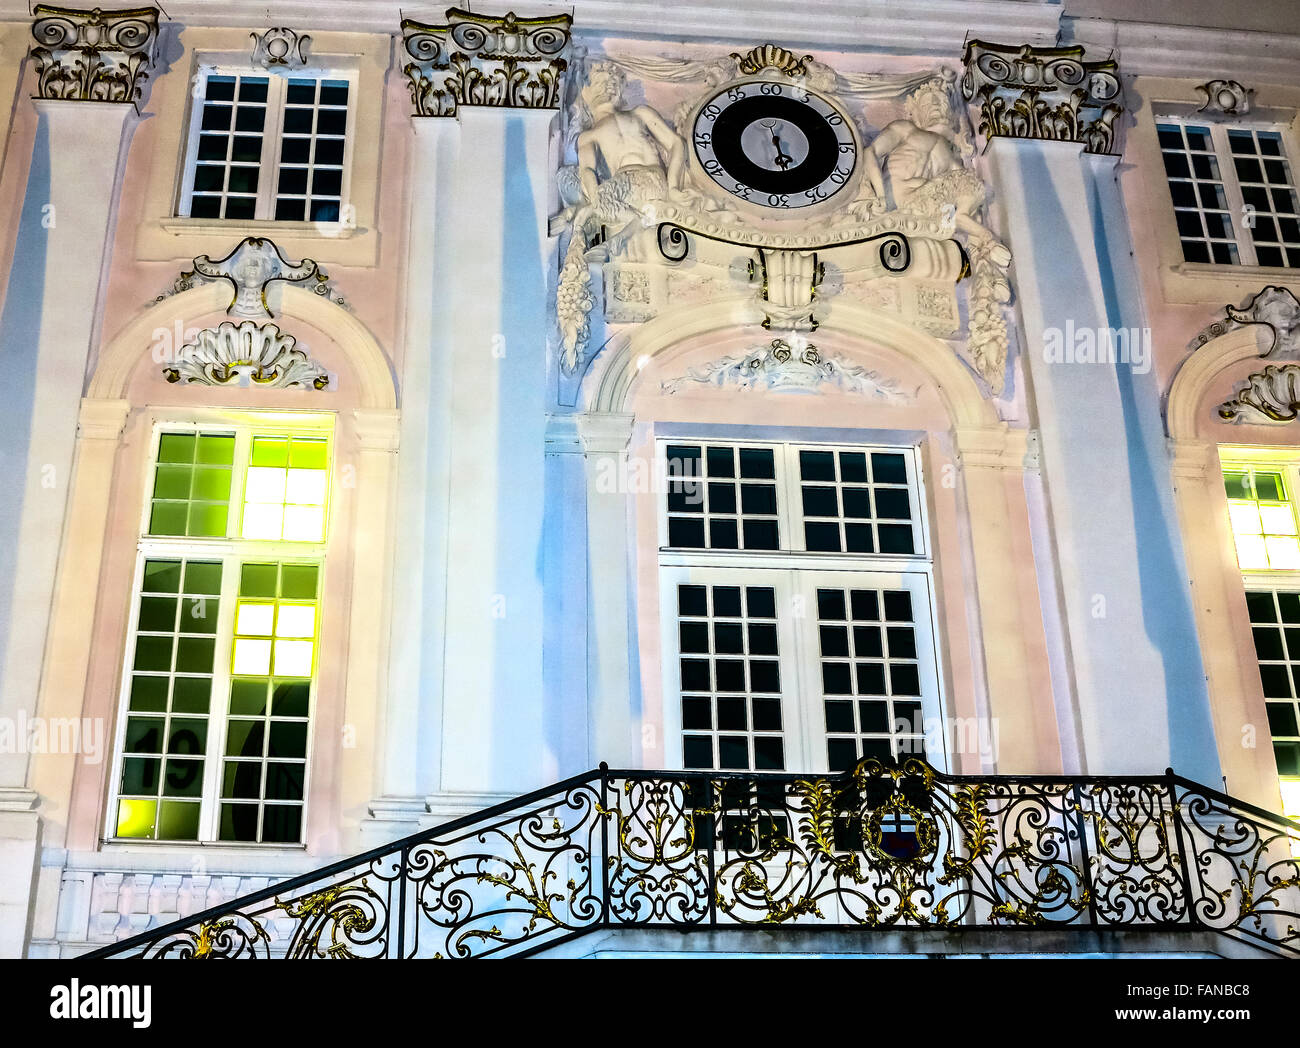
[[128, 843], [1214, 271], [259, 227]]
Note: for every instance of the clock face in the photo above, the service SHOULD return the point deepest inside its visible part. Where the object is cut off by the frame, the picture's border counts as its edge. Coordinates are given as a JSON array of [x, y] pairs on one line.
[[775, 145]]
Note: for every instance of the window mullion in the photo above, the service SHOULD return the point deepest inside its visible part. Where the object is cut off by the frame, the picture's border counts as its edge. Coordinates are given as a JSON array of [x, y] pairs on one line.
[[272, 138], [219, 703], [789, 510], [1231, 190]]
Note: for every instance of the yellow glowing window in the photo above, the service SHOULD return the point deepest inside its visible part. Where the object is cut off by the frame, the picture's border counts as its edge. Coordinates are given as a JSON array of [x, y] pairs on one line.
[[1263, 520], [285, 489]]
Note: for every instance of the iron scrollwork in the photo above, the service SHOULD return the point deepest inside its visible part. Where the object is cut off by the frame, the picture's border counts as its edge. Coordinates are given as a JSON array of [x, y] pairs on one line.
[[885, 845]]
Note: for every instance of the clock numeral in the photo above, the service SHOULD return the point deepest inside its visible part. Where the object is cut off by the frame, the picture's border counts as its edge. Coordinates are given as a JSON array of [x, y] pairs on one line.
[[743, 191], [704, 139], [712, 167], [735, 94], [711, 111], [834, 119], [840, 177], [815, 193], [846, 147], [799, 94], [770, 88], [778, 200]]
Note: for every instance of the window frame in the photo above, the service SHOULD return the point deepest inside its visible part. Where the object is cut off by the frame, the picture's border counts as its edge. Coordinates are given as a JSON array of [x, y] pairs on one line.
[[232, 551], [1247, 257], [796, 571], [272, 142]]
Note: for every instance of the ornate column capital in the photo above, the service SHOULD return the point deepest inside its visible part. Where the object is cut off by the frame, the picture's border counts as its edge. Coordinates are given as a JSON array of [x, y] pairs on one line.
[[479, 60], [1043, 92], [95, 55]]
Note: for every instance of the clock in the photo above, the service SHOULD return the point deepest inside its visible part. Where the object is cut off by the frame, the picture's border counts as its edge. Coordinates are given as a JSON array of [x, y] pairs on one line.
[[775, 145]]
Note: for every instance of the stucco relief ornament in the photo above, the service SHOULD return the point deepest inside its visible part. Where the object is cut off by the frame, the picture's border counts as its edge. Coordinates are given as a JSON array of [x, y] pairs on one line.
[[629, 161], [280, 48], [93, 56], [254, 264], [1268, 397], [792, 366], [1225, 96], [1275, 308], [246, 354], [922, 160]]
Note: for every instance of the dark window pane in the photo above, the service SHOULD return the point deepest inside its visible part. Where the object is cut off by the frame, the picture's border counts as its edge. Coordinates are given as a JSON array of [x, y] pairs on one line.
[[904, 679], [834, 640], [728, 638], [730, 674], [733, 752], [895, 538], [726, 602], [220, 89], [695, 675], [769, 754], [694, 637], [762, 639], [830, 604], [733, 714], [841, 754], [1268, 643], [817, 465], [866, 642], [767, 714], [1281, 718], [696, 713], [757, 464], [1276, 681], [720, 462], [760, 602], [723, 534], [836, 679], [764, 676], [761, 534], [902, 642], [697, 751], [722, 497], [871, 678], [758, 498], [839, 715], [822, 538], [858, 538], [692, 601], [898, 606], [686, 533]]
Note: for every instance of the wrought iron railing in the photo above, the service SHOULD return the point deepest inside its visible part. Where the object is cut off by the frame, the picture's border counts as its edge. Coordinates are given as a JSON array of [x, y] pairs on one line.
[[884, 846]]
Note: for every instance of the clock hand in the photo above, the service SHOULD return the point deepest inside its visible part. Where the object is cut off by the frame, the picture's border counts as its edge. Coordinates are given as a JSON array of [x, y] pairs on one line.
[[783, 160]]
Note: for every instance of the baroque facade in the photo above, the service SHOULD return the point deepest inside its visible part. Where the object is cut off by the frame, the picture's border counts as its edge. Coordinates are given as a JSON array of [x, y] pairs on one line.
[[546, 483]]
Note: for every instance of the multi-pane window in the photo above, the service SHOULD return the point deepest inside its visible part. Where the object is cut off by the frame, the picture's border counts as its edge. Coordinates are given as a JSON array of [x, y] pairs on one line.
[[1262, 513], [1233, 192], [871, 677], [267, 147], [223, 656], [808, 645], [1263, 519], [730, 678]]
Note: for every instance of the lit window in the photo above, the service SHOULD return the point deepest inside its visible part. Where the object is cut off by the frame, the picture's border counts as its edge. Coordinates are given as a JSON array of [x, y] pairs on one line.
[[267, 147], [1263, 520], [1233, 192], [221, 663]]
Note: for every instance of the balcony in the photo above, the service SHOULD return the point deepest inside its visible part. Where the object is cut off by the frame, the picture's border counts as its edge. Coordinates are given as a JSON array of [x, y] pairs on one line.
[[885, 847]]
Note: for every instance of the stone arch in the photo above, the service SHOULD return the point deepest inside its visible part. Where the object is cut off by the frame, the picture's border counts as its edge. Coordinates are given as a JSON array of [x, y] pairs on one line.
[[609, 383], [1200, 370]]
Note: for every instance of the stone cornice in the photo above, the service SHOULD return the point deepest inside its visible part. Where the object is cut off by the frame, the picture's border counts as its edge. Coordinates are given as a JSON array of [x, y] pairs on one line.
[[479, 60], [92, 55]]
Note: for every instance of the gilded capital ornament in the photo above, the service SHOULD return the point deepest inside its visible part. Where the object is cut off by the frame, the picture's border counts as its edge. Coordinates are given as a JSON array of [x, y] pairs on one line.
[[94, 55], [479, 60], [1043, 92]]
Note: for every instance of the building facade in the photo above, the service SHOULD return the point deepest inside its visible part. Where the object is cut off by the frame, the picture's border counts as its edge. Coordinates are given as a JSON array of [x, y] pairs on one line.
[[406, 414]]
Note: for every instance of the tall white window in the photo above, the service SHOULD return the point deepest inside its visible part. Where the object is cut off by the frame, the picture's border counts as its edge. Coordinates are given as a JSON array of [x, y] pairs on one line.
[[1261, 506], [1234, 193], [796, 597], [268, 147], [220, 663]]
